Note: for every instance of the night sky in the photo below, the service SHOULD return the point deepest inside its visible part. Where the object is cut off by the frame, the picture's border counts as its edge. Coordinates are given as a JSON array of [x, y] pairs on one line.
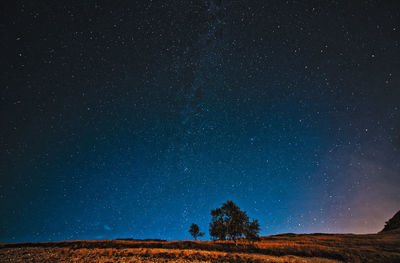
[[136, 118]]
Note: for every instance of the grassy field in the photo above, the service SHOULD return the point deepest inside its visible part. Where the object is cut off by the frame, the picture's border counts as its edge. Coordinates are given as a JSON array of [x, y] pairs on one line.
[[279, 248]]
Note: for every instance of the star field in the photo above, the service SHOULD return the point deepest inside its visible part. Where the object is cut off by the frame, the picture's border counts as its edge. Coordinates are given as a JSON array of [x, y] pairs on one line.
[[136, 118]]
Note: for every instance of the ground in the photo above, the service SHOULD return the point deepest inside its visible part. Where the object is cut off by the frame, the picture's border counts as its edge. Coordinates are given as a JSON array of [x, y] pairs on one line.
[[329, 248]]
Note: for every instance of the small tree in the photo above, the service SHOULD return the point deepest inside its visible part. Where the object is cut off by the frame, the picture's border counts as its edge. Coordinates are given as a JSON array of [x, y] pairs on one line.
[[195, 231]]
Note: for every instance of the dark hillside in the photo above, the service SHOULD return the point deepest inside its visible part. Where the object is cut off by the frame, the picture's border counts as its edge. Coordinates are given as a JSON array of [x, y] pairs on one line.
[[393, 223]]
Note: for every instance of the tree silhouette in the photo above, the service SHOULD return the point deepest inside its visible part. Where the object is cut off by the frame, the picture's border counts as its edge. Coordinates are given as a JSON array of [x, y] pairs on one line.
[[232, 223], [235, 220], [195, 231], [217, 226], [251, 231]]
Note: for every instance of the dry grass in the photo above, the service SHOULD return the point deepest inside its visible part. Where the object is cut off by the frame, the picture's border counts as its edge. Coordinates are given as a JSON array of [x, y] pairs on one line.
[[280, 248], [107, 255]]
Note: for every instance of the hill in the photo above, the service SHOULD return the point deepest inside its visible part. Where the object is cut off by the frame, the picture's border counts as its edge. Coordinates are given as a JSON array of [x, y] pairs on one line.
[[381, 247], [393, 223]]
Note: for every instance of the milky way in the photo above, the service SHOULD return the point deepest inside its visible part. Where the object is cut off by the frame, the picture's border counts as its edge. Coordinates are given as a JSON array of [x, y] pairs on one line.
[[135, 119]]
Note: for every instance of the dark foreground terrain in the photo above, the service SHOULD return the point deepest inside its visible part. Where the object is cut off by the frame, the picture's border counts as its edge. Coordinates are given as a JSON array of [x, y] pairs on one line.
[[382, 247]]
